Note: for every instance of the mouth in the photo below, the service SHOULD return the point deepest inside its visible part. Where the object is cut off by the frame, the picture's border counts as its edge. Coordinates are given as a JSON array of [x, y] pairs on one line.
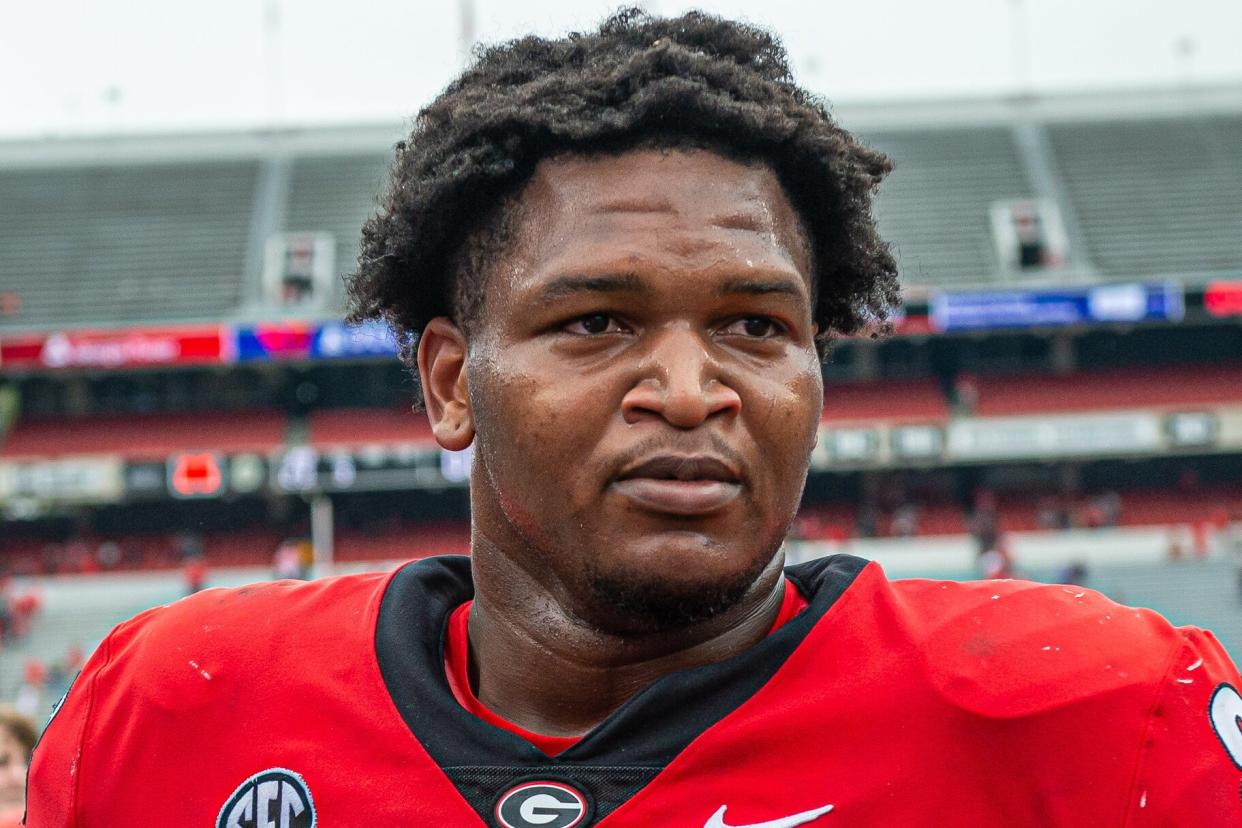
[[687, 486]]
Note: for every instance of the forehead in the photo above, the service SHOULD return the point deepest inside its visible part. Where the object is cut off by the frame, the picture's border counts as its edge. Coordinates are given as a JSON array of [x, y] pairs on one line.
[[694, 180], [653, 202]]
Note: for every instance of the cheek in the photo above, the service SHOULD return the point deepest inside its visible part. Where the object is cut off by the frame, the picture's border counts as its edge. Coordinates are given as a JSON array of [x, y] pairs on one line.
[[788, 410], [537, 429], [787, 414], [806, 390]]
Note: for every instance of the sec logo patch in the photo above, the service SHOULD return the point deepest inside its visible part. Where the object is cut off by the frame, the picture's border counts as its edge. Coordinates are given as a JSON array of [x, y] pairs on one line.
[[274, 798], [542, 804]]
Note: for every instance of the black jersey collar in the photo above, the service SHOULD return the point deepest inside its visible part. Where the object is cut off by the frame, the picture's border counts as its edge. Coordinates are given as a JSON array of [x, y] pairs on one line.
[[630, 747], [651, 728]]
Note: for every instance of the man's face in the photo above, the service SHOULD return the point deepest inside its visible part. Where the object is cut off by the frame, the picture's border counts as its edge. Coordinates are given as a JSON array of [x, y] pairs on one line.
[[644, 384]]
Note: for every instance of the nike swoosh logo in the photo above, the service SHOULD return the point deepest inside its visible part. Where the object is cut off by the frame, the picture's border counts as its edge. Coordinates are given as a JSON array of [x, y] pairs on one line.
[[717, 820]]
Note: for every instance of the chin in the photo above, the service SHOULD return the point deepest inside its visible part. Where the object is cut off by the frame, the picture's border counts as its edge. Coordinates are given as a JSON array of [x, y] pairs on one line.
[[682, 582]]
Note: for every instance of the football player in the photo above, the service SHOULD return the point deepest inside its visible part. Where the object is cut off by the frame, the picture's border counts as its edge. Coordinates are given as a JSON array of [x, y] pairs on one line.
[[616, 261]]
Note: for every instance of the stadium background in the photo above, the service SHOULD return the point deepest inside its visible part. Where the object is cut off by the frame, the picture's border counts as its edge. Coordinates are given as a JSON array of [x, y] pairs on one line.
[[1062, 399]]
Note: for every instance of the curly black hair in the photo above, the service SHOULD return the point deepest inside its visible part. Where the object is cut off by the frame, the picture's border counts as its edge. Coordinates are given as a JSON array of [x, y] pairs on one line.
[[695, 81]]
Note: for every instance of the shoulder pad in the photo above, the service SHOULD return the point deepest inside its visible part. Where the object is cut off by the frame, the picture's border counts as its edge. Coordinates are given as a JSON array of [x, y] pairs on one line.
[[1011, 648], [222, 641]]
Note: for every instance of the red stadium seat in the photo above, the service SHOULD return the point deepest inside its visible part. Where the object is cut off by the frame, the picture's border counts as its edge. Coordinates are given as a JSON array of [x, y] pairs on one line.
[[912, 400], [147, 436], [403, 542], [1166, 386], [352, 427]]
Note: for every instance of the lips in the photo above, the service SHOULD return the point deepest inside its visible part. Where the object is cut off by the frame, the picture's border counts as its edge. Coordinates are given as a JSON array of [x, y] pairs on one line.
[[688, 486]]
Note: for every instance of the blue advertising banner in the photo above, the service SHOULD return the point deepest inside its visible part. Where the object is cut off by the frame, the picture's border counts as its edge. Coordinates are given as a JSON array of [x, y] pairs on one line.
[[335, 340], [1053, 307], [299, 341], [269, 341]]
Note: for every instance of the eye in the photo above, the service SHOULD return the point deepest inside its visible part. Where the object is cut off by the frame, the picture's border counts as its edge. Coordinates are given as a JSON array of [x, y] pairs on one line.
[[593, 324], [755, 327]]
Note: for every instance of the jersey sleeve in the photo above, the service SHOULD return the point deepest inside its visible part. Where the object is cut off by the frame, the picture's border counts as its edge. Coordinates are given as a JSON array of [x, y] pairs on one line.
[[1190, 763], [63, 755], [52, 779]]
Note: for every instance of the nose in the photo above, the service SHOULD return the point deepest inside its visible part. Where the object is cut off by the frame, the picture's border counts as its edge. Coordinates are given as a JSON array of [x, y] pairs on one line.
[[680, 382]]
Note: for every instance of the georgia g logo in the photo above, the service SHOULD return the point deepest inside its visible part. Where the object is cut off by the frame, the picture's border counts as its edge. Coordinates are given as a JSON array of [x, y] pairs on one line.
[[1225, 711], [541, 804], [274, 798]]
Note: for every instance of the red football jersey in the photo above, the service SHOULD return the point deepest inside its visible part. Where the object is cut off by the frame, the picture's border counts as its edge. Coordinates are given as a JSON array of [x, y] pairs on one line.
[[906, 703]]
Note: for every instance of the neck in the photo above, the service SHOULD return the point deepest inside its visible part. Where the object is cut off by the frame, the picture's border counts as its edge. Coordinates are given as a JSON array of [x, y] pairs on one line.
[[543, 667]]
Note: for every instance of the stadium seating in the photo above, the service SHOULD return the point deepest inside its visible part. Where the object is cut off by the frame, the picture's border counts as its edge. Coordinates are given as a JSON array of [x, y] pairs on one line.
[[335, 194], [934, 206], [252, 546], [1158, 196], [354, 427], [908, 400], [139, 243], [1200, 592], [839, 521], [1138, 507], [153, 242], [1148, 387], [147, 436], [1018, 512], [1156, 507], [405, 541], [141, 550]]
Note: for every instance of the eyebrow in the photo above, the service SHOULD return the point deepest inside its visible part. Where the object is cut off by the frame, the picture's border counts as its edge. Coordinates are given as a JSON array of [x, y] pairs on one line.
[[760, 287], [563, 286], [636, 205], [741, 221], [569, 285]]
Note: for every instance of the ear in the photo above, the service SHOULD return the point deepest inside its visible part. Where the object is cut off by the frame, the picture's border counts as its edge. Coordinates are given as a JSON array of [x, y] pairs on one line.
[[442, 352]]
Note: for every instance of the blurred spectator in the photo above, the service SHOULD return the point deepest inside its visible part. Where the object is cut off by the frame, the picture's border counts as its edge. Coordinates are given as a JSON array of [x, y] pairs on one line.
[[867, 523], [195, 574], [1050, 513], [906, 520], [1075, 572], [50, 558], [306, 559], [1032, 244], [20, 607], [288, 560], [29, 698], [985, 522], [17, 741], [1090, 516], [1199, 534], [6, 614], [74, 556], [75, 657], [965, 393], [1219, 518], [1233, 546], [108, 555], [188, 545], [10, 303], [61, 674], [1176, 547], [996, 562], [1109, 504]]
